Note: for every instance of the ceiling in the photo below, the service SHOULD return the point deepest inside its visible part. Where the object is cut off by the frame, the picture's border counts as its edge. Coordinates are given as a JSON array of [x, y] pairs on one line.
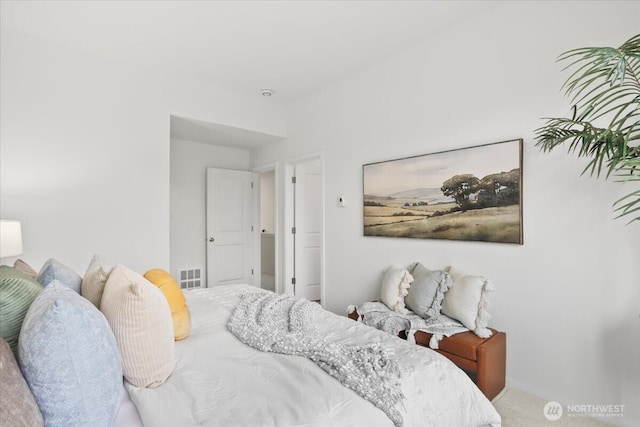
[[290, 47]]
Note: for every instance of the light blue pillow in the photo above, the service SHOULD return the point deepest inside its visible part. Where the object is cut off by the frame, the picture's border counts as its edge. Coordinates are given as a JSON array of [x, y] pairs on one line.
[[55, 270], [70, 359], [427, 291]]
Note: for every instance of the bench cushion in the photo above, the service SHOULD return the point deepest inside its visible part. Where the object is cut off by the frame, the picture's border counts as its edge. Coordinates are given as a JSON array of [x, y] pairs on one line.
[[464, 344]]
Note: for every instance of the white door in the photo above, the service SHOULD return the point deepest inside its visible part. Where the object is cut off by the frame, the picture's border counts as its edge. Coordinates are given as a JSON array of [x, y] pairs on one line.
[[230, 233], [308, 230]]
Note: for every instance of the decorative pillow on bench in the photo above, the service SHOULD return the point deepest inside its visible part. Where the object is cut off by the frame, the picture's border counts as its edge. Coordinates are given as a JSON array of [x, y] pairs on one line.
[[395, 286], [427, 290], [468, 300]]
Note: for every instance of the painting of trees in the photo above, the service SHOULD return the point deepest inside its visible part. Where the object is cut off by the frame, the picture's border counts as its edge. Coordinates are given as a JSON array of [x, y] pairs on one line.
[[498, 189], [471, 193]]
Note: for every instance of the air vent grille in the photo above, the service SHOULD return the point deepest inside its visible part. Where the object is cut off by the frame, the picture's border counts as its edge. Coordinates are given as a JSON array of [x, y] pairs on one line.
[[190, 278]]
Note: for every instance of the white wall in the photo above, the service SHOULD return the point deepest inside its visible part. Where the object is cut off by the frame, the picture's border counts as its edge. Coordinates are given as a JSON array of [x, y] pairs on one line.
[[569, 298], [84, 153], [189, 163]]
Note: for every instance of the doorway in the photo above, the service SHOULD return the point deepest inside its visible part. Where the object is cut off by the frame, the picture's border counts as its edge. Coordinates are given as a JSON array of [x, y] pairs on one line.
[[196, 145], [305, 226], [268, 230]]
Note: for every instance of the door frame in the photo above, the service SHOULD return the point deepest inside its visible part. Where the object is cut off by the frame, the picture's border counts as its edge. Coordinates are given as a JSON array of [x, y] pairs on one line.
[[288, 223], [275, 167]]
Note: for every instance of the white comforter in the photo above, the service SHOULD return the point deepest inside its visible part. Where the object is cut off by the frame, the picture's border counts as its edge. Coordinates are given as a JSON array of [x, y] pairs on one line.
[[219, 381]]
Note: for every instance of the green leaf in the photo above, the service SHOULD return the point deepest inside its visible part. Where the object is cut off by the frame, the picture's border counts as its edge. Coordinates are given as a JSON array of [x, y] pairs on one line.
[[604, 90]]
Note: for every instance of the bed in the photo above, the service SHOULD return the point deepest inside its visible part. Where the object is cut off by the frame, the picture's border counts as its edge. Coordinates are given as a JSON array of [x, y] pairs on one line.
[[220, 381]]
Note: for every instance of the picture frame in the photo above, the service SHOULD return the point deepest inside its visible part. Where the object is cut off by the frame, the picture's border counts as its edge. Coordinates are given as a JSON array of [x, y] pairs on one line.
[[470, 194]]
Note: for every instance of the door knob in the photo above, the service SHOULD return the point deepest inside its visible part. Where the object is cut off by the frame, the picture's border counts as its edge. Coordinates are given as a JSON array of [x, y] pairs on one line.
[[211, 239]]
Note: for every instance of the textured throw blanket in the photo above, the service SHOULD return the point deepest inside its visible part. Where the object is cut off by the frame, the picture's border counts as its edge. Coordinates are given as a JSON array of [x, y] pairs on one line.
[[379, 316], [284, 324]]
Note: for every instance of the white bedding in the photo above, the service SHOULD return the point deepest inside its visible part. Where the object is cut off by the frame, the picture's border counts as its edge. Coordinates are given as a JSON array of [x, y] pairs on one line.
[[219, 381]]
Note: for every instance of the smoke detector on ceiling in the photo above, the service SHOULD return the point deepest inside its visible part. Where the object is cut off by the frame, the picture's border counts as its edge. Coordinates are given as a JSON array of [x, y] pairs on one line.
[[266, 92]]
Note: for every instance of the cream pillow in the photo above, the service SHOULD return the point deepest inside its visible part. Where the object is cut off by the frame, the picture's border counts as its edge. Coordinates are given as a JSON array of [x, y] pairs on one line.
[[140, 317], [95, 278], [467, 301], [395, 286]]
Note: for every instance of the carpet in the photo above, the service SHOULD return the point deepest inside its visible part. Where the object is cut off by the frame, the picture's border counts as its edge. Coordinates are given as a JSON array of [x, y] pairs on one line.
[[519, 409]]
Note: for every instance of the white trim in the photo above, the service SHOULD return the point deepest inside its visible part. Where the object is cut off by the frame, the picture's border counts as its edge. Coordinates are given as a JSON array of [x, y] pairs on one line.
[[288, 222], [257, 259], [273, 166]]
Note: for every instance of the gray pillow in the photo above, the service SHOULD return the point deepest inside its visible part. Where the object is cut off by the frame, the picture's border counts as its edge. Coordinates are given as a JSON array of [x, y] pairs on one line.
[[427, 291], [18, 408], [55, 270], [25, 268]]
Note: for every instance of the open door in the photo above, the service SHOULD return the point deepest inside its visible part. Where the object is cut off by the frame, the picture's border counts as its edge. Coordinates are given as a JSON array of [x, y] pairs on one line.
[[230, 228], [268, 221], [307, 230]]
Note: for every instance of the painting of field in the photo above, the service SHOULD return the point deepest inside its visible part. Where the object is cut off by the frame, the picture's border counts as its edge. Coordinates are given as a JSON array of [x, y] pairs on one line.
[[469, 194]]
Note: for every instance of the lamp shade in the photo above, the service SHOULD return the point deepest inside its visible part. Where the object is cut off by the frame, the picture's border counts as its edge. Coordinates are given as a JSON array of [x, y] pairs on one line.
[[10, 238]]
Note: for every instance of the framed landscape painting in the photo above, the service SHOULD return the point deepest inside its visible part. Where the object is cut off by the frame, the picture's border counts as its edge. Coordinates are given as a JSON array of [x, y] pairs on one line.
[[472, 193]]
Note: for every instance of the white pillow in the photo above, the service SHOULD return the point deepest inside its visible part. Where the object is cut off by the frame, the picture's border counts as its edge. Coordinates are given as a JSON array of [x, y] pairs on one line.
[[395, 286], [467, 301]]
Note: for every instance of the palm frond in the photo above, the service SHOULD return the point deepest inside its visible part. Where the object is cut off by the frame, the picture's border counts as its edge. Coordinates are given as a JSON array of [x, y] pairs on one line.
[[631, 205], [604, 90]]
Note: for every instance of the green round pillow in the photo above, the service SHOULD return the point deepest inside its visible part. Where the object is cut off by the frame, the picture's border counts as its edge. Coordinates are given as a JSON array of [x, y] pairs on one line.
[[17, 292]]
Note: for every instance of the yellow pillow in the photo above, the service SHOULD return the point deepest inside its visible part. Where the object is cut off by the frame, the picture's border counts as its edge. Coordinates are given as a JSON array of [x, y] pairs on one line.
[[177, 303]]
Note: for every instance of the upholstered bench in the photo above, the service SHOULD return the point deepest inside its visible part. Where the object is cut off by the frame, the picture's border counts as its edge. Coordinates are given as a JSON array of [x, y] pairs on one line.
[[483, 359]]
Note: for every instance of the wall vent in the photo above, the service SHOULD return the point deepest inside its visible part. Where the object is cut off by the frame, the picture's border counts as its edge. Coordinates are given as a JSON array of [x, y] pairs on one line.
[[190, 278]]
